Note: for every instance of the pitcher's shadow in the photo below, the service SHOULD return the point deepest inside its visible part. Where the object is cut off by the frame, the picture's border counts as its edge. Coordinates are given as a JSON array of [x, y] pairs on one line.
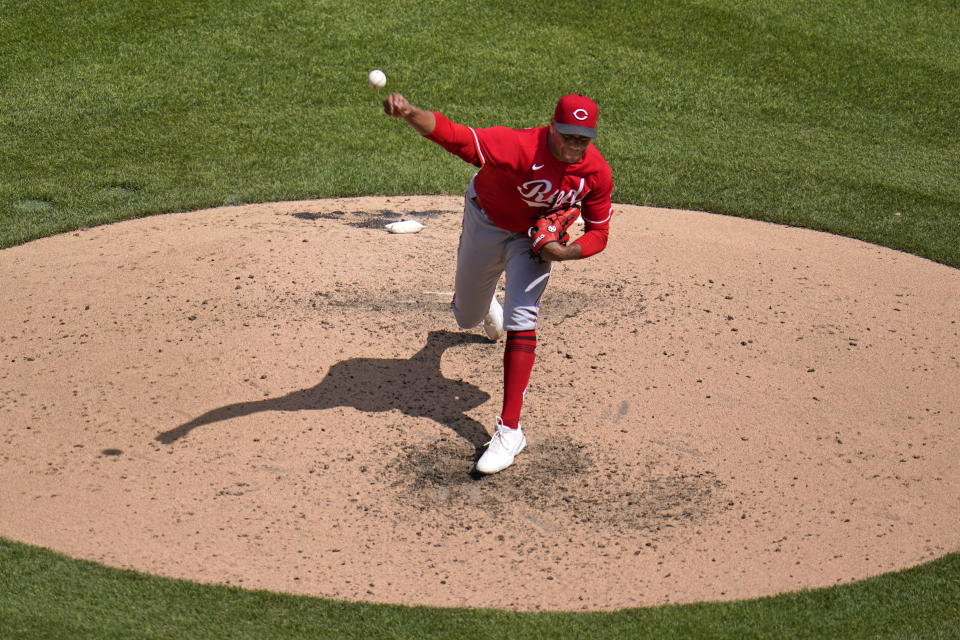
[[415, 386]]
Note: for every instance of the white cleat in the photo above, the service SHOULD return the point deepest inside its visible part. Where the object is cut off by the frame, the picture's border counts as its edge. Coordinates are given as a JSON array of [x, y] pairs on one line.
[[502, 449], [493, 321]]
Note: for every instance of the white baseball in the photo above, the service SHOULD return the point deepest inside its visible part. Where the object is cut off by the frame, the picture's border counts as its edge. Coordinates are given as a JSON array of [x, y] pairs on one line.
[[376, 79]]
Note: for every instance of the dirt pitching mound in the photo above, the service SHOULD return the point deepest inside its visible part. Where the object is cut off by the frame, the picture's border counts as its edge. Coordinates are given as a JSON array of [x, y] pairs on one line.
[[277, 397]]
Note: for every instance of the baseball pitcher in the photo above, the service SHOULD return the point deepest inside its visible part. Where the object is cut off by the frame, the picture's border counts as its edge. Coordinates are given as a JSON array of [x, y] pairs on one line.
[[532, 185]]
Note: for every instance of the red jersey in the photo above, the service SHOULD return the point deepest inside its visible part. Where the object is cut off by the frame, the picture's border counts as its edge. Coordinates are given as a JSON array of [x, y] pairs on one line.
[[520, 180]]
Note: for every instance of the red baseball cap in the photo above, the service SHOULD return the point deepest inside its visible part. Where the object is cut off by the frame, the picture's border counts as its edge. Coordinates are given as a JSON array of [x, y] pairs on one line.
[[576, 115]]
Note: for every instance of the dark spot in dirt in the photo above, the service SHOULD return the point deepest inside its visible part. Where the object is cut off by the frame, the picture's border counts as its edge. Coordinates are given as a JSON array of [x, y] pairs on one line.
[[312, 216], [560, 481], [370, 219], [112, 452], [375, 220], [428, 213]]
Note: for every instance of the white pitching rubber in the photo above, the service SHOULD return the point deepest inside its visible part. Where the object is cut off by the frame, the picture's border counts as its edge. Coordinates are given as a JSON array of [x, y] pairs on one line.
[[404, 226]]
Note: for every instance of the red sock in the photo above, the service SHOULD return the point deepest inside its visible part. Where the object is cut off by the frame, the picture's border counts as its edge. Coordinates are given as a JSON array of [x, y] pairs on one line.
[[518, 360]]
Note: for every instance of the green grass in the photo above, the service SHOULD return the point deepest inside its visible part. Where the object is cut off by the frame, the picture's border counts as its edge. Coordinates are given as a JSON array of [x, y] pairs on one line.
[[837, 116], [46, 595]]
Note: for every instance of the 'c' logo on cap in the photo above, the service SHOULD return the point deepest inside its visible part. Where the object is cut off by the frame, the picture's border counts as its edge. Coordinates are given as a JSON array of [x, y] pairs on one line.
[[581, 114]]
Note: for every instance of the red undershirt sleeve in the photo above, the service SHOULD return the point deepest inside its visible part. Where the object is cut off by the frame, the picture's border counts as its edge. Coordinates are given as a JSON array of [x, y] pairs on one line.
[[459, 140], [597, 211], [594, 241]]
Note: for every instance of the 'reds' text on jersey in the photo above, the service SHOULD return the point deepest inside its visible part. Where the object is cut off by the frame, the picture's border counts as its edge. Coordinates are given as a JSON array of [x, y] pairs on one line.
[[519, 179]]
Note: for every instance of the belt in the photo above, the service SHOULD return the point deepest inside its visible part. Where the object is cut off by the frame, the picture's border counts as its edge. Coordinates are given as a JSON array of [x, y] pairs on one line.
[[476, 201]]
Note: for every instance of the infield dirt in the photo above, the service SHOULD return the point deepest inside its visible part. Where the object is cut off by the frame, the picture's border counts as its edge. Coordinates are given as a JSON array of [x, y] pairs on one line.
[[277, 397]]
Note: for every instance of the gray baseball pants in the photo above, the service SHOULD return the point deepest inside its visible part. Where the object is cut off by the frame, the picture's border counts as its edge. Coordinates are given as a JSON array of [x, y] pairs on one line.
[[486, 251]]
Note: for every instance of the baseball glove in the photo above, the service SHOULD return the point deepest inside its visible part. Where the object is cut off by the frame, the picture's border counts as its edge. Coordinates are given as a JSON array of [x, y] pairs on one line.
[[552, 228]]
